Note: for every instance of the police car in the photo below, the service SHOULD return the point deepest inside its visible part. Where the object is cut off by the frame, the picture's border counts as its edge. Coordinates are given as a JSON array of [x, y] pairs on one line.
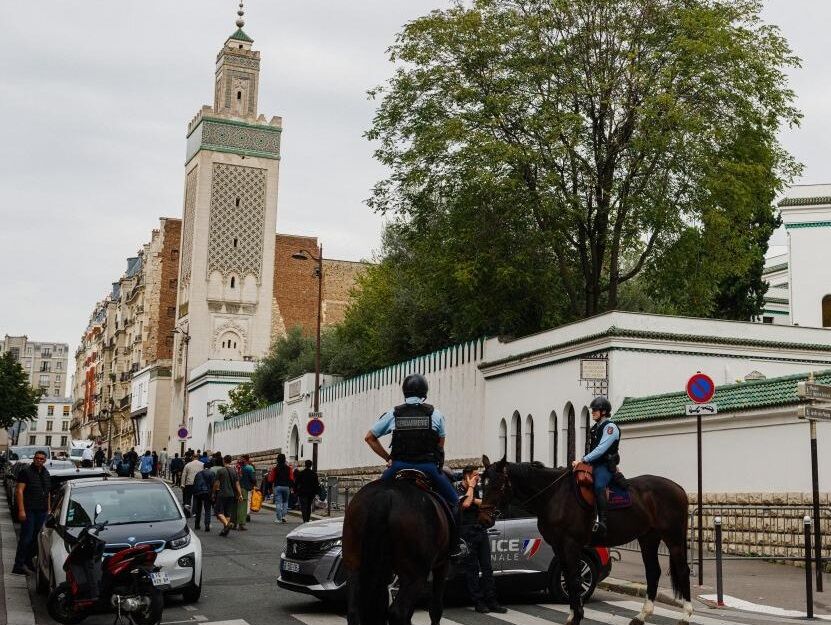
[[522, 561]]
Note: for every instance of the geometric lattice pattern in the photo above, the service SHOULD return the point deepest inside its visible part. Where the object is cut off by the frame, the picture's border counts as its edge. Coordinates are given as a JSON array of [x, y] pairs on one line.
[[215, 133], [241, 78], [235, 243], [187, 226]]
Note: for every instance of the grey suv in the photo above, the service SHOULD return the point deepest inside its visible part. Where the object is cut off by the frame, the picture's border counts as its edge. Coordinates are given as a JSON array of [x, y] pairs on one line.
[[522, 560]]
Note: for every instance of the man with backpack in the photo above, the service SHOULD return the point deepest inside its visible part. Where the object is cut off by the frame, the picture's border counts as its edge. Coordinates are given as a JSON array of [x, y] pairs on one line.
[[203, 484]]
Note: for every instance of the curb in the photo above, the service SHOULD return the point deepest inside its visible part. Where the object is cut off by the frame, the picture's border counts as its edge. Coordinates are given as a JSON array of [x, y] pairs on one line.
[[636, 589], [18, 604]]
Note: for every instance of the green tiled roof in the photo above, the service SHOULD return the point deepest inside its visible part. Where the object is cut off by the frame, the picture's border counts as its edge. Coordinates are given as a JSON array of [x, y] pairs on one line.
[[729, 398], [805, 201], [241, 36]]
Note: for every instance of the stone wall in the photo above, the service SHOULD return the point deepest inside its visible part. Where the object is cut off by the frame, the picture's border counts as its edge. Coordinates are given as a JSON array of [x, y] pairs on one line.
[[339, 278], [161, 272]]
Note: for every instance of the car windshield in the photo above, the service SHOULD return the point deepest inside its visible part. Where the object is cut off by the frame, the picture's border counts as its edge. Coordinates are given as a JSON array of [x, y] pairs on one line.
[[26, 453], [121, 504]]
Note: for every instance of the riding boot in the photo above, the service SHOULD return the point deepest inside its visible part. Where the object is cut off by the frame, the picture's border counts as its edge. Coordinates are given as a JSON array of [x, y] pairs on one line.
[[619, 480], [602, 505], [458, 547]]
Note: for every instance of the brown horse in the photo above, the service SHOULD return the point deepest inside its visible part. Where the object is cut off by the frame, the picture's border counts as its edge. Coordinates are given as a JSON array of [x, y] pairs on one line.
[[658, 513], [394, 528]]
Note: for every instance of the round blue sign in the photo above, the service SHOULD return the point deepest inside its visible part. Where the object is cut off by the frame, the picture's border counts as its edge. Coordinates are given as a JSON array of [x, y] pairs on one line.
[[701, 388], [314, 427]]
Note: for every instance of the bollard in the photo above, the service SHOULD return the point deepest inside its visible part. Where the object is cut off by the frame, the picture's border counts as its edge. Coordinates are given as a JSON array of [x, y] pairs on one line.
[[809, 587], [719, 578]]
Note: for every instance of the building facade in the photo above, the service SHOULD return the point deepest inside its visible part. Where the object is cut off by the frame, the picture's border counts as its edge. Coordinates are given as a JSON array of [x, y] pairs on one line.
[[46, 363], [51, 427]]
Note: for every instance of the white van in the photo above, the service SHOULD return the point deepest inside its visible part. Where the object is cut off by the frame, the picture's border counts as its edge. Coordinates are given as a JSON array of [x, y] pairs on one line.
[[76, 449]]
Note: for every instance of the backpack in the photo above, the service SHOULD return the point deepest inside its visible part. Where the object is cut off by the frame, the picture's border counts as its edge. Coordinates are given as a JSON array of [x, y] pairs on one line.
[[272, 474]]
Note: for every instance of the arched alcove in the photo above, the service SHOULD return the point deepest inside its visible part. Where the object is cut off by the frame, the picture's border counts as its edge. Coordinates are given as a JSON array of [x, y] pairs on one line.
[[503, 439], [516, 437], [826, 311], [552, 438], [529, 438], [571, 434], [294, 444], [586, 420]]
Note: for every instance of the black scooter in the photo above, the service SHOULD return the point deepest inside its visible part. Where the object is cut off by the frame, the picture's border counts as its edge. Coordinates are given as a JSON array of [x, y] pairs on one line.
[[127, 582]]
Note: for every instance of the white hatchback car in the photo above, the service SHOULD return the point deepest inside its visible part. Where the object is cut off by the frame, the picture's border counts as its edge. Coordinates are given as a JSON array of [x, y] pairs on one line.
[[136, 512]]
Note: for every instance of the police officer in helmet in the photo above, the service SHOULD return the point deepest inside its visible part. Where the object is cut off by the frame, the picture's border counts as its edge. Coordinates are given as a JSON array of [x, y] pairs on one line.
[[603, 456], [417, 443]]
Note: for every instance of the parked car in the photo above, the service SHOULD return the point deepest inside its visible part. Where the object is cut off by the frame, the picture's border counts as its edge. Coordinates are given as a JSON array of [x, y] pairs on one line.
[[19, 456], [137, 512], [59, 472], [522, 561]]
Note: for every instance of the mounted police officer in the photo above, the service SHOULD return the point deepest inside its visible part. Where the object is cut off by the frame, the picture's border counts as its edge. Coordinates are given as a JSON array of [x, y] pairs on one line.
[[417, 443], [603, 456]]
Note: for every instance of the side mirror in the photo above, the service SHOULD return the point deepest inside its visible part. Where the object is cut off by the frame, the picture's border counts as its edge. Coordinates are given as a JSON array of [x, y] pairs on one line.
[[97, 512], [51, 521], [188, 512]]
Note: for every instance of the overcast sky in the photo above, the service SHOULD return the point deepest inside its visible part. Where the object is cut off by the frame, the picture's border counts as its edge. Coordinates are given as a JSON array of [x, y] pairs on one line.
[[97, 95]]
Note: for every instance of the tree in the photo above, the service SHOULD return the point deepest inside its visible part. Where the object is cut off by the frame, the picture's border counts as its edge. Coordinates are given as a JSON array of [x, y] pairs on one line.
[[289, 357], [18, 400], [242, 399], [598, 130]]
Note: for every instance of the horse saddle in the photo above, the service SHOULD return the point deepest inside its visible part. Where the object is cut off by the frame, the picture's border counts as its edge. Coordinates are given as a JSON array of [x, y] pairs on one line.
[[616, 495], [422, 481]]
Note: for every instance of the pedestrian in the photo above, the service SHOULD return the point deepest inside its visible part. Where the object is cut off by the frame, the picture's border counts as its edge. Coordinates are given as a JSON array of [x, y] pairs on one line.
[[86, 457], [477, 562], [307, 485], [177, 465], [155, 472], [132, 459], [100, 457], [282, 486], [32, 497], [118, 458], [226, 492], [193, 466], [203, 485], [247, 483], [146, 465], [205, 457], [163, 460]]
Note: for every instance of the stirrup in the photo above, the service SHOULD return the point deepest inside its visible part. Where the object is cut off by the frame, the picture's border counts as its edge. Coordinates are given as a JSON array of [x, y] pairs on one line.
[[460, 551], [599, 528]]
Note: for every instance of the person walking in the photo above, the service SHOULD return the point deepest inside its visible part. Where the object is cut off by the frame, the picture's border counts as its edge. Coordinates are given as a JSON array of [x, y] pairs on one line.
[[478, 559], [155, 472], [86, 457], [226, 492], [247, 483], [307, 485], [282, 487], [100, 457], [193, 466], [146, 465], [177, 465], [203, 485], [118, 458], [132, 459], [32, 497], [163, 460]]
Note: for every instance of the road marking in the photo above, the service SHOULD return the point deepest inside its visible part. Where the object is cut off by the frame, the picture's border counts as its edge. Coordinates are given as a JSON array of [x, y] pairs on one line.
[[594, 615], [194, 619], [190, 608], [674, 614], [747, 606], [521, 618], [423, 618], [320, 619], [236, 621]]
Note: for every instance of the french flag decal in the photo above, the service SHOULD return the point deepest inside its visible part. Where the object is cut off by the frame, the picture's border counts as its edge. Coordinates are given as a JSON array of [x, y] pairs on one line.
[[530, 546]]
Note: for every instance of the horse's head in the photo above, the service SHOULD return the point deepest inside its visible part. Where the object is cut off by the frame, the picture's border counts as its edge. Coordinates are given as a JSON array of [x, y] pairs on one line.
[[497, 490]]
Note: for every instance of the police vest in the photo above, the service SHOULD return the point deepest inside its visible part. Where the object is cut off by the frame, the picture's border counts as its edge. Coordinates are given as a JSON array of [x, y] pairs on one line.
[[414, 439], [611, 457]]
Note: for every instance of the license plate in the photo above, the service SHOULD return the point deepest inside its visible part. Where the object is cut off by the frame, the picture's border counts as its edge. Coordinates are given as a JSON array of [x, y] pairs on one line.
[[291, 567], [160, 579]]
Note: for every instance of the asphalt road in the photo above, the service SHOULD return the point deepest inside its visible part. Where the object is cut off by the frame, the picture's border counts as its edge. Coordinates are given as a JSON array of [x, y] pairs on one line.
[[240, 588]]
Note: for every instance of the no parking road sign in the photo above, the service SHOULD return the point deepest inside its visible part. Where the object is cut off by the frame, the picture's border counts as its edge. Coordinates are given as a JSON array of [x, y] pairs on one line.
[[700, 388], [314, 427]]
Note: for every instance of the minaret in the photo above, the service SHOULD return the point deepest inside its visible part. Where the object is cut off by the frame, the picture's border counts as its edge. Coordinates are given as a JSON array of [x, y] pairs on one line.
[[226, 273]]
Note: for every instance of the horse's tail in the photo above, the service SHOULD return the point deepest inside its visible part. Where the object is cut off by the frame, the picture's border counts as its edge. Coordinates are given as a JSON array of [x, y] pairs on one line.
[[376, 562], [679, 567]]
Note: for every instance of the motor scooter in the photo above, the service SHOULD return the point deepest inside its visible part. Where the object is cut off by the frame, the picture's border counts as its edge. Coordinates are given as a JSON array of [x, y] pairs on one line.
[[127, 582]]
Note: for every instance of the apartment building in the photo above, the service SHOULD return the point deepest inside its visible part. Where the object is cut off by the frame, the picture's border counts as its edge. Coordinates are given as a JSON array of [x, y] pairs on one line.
[[44, 362]]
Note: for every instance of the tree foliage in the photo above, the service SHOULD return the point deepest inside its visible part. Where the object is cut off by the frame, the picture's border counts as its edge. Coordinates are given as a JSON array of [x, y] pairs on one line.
[[242, 399], [546, 156], [18, 400]]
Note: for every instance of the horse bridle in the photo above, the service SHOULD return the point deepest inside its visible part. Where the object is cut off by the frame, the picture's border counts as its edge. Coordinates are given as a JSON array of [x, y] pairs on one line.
[[492, 511]]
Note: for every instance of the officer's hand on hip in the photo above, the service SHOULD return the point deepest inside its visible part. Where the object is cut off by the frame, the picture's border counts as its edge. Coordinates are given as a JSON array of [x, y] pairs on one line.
[[574, 463]]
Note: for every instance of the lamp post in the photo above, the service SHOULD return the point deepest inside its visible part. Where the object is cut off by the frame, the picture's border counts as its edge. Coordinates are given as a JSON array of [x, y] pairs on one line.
[[186, 338], [306, 255]]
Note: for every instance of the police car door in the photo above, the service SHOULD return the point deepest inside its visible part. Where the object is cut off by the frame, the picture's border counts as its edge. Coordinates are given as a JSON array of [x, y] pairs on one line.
[[519, 548]]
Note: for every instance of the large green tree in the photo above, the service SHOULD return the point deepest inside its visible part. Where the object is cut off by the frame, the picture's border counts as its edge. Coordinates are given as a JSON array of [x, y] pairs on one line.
[[18, 400], [588, 139]]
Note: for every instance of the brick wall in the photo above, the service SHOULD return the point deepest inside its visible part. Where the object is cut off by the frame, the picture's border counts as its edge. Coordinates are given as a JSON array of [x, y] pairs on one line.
[[339, 277], [172, 233]]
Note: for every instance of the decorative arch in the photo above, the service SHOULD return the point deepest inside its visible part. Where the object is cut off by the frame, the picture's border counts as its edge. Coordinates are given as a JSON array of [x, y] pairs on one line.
[[294, 444], [503, 439], [586, 420], [571, 434], [552, 438], [529, 438], [516, 436], [826, 311]]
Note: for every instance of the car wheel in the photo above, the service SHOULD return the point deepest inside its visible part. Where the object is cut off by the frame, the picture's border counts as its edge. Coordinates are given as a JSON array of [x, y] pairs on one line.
[[191, 594], [557, 589]]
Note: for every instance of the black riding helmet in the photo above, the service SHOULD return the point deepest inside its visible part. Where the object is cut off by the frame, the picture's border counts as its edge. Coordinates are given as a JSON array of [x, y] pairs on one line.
[[602, 404], [414, 385]]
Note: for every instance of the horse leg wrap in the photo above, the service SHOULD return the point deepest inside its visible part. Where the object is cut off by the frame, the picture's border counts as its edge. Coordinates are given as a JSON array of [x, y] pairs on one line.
[[688, 611], [570, 618], [645, 613]]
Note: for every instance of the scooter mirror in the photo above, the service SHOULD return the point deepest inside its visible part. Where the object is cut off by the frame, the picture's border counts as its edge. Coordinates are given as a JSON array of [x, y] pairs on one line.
[[97, 511]]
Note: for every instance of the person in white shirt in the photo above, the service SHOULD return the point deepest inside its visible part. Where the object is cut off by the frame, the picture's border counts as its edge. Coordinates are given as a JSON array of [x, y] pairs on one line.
[[86, 457], [192, 467]]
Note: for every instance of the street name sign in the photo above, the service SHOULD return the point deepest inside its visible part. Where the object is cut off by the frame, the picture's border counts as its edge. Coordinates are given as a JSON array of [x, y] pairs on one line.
[[315, 415], [701, 388], [317, 440], [814, 413], [809, 390], [701, 409]]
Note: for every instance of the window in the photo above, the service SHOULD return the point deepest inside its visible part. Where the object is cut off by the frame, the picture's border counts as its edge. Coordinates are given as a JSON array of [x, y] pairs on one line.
[[45, 352], [767, 319], [171, 311], [49, 440], [58, 391], [232, 280], [45, 366], [49, 425], [516, 435], [50, 410], [57, 377], [236, 202], [239, 95], [63, 441], [235, 242], [172, 283], [15, 353], [58, 366], [66, 411], [65, 426], [826, 311], [32, 440]]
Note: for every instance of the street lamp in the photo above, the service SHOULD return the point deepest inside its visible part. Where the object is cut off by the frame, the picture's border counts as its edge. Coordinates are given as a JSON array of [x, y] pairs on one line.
[[186, 338], [105, 414], [306, 255]]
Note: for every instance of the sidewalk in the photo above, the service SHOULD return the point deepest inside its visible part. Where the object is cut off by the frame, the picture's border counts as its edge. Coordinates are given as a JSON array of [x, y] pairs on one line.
[[771, 588], [17, 605]]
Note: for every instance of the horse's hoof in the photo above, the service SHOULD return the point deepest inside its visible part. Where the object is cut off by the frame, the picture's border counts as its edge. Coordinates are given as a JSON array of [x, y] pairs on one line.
[[636, 621]]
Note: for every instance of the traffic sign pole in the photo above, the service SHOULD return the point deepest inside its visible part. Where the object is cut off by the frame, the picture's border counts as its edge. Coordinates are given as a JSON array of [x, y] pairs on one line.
[[700, 389], [815, 487]]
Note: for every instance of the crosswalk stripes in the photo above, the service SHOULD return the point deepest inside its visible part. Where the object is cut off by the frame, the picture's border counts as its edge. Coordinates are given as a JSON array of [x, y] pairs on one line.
[[697, 618], [421, 617]]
